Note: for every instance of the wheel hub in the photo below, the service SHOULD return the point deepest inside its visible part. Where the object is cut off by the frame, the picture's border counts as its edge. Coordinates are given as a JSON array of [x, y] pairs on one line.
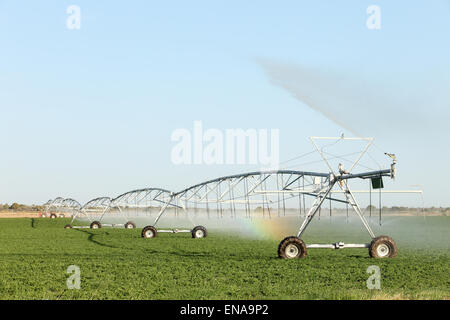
[[383, 250], [199, 234], [291, 251]]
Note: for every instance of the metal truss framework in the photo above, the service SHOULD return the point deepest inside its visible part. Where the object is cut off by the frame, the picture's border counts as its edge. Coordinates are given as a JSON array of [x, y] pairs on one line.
[[263, 194], [61, 206], [93, 208], [132, 204], [267, 193]]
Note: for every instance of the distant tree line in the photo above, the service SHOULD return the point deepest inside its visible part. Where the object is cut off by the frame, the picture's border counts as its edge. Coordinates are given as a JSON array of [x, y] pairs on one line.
[[444, 210], [20, 207]]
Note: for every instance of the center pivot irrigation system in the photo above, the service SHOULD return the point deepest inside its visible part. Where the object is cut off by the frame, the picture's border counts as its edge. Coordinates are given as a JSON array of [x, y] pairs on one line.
[[60, 207], [262, 195]]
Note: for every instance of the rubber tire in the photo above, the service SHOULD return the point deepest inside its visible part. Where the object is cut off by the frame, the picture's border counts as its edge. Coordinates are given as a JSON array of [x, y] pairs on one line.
[[295, 241], [53, 216], [62, 215], [43, 215], [393, 251], [68, 226], [147, 228], [95, 223], [205, 232], [130, 223]]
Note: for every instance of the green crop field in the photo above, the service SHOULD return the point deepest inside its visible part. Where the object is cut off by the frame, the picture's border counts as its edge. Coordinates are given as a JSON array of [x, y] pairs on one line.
[[119, 264]]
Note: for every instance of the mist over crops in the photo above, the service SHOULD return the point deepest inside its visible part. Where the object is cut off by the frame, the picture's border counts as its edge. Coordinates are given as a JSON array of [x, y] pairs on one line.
[[413, 231]]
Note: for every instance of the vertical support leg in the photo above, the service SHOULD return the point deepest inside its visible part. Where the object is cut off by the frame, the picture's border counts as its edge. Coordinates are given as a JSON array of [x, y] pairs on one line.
[[351, 199], [74, 217], [315, 207], [80, 212], [103, 213], [162, 211], [184, 207]]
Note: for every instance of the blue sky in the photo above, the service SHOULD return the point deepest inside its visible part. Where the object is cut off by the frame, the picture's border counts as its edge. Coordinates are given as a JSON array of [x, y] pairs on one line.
[[90, 112]]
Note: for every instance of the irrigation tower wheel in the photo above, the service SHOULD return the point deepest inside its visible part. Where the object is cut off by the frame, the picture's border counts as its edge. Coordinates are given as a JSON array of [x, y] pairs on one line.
[[149, 232], [383, 247], [292, 248], [199, 232], [53, 216], [68, 226], [96, 225], [130, 225]]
